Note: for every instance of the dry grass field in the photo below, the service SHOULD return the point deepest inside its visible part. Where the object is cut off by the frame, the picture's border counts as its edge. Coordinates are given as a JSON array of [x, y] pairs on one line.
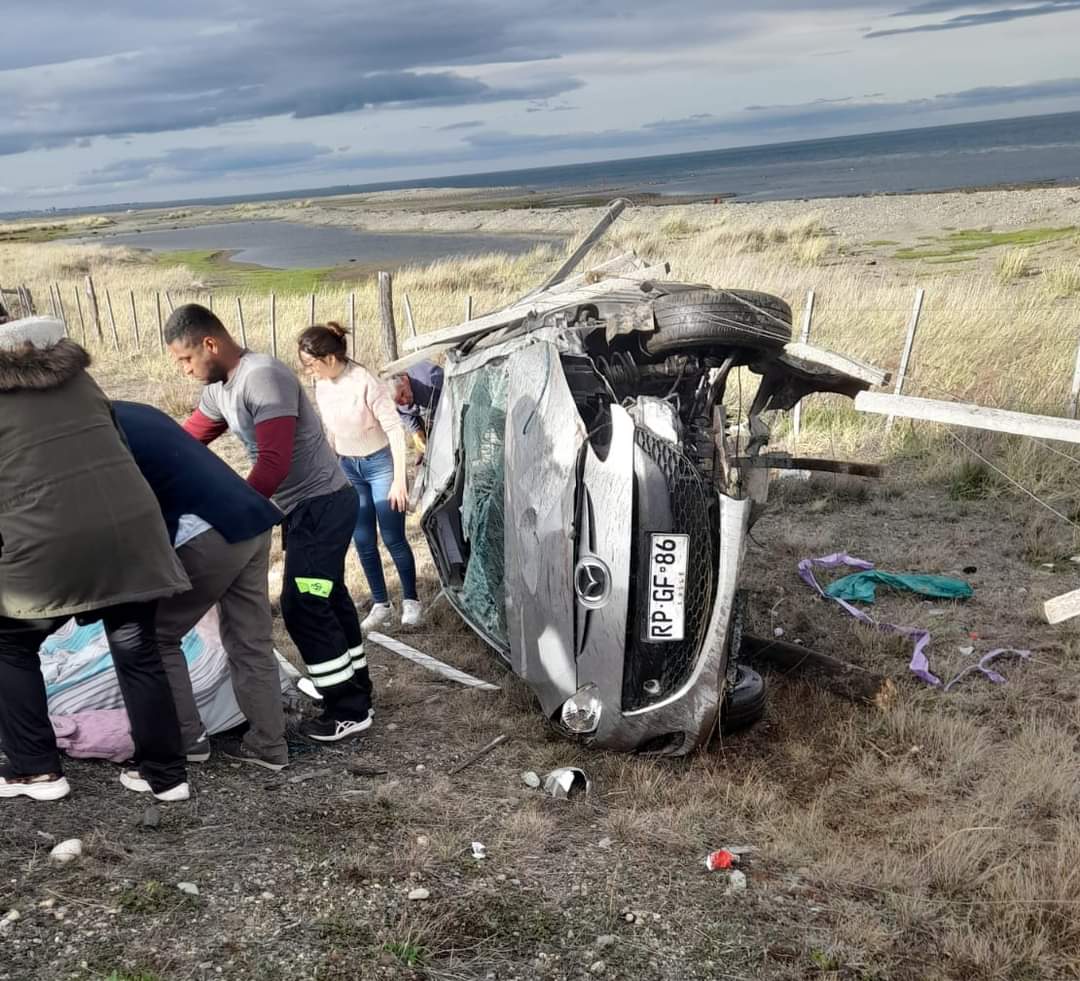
[[934, 839]]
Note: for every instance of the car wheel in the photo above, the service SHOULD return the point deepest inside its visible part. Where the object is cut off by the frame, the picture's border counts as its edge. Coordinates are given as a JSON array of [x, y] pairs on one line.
[[719, 318], [744, 701]]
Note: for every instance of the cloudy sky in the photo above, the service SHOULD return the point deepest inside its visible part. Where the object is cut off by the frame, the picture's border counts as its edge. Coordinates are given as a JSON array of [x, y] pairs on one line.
[[129, 100]]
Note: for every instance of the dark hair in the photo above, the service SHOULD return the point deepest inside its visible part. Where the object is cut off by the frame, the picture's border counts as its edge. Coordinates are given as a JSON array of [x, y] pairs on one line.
[[191, 323], [323, 340]]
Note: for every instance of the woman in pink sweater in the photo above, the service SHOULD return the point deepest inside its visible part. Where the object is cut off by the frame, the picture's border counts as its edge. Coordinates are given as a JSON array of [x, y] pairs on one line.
[[365, 430]]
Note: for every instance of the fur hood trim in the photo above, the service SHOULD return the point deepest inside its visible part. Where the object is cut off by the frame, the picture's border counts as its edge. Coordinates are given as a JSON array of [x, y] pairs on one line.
[[30, 368]]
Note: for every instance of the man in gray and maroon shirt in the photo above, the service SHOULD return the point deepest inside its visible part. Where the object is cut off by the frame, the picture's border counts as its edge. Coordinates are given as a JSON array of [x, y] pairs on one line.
[[261, 400]]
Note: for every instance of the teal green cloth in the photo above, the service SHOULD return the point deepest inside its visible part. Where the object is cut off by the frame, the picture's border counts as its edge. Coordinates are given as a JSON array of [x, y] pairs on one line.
[[860, 586]]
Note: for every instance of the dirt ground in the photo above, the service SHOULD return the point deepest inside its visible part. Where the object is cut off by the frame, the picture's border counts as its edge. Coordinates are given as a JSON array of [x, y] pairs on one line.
[[935, 839]]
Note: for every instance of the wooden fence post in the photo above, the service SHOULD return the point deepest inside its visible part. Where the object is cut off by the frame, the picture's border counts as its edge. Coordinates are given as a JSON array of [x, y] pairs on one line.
[[352, 324], [78, 306], [1074, 391], [112, 321], [52, 305], [160, 323], [273, 325], [468, 307], [408, 315], [135, 320], [60, 307], [240, 319], [909, 342], [386, 316], [26, 298], [95, 313], [804, 338], [168, 300]]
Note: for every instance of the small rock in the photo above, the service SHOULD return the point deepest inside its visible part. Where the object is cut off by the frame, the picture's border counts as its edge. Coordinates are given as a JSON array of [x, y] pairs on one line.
[[530, 779], [606, 842], [392, 727], [629, 917], [605, 940], [152, 817], [66, 851], [13, 916], [423, 841], [967, 651], [47, 903], [597, 967], [479, 852], [736, 883], [266, 895], [778, 632], [418, 895], [188, 887], [420, 768]]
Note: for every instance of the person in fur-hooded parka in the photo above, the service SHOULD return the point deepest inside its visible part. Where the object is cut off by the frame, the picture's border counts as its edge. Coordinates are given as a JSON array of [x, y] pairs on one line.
[[80, 529]]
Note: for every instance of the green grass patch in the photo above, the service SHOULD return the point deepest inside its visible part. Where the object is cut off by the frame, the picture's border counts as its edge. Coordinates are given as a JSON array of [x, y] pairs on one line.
[[882, 241], [32, 234], [407, 951], [975, 240], [214, 268]]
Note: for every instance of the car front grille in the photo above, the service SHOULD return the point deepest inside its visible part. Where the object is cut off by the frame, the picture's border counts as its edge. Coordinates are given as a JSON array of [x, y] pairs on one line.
[[693, 513]]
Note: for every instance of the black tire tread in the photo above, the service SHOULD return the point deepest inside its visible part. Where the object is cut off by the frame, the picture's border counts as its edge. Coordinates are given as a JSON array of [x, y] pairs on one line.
[[712, 318]]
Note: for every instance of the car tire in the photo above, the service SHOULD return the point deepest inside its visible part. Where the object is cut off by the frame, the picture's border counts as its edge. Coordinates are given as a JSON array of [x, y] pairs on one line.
[[744, 701], [698, 319]]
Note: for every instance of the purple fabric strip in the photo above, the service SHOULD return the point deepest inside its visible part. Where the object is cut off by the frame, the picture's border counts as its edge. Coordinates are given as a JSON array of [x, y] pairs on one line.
[[920, 663]]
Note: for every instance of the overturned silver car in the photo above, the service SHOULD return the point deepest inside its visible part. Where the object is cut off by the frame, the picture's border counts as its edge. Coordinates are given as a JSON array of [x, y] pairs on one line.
[[587, 499]]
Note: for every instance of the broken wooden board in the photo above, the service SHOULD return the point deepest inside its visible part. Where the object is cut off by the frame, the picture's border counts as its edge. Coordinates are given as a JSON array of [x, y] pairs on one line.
[[971, 416], [784, 461], [1063, 607], [540, 304], [818, 360], [846, 680]]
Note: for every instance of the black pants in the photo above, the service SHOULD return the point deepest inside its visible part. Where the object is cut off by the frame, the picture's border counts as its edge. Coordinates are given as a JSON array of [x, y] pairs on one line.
[[319, 613], [25, 731]]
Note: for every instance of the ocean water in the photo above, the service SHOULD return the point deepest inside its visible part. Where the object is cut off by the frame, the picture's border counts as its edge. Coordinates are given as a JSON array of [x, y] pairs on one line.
[[290, 245], [1011, 151]]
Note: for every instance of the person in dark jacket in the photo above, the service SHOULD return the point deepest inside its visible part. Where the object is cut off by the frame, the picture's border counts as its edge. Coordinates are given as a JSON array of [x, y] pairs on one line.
[[80, 535], [417, 393], [221, 528]]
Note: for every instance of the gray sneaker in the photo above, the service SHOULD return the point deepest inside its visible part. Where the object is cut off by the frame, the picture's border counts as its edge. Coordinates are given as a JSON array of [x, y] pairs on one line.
[[239, 751]]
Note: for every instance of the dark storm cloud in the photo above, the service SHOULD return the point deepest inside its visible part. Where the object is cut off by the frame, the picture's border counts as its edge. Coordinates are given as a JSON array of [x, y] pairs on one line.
[[996, 16]]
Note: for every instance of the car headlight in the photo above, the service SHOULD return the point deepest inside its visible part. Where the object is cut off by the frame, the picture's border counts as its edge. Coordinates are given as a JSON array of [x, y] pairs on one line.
[[581, 712]]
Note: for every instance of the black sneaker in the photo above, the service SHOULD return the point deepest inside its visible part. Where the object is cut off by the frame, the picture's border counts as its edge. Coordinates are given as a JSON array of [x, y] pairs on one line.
[[327, 729], [238, 750]]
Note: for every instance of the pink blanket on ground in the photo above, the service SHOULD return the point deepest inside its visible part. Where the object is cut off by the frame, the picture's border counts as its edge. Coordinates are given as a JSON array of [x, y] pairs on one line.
[[97, 734]]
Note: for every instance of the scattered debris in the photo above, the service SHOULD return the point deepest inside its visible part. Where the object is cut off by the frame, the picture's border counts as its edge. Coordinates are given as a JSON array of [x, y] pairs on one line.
[[479, 851], [966, 651], [151, 816], [66, 851], [839, 677], [597, 968], [429, 662], [419, 895], [325, 771], [920, 663], [722, 858], [861, 587], [364, 771], [189, 888], [736, 883], [606, 842], [566, 781], [480, 754], [530, 779]]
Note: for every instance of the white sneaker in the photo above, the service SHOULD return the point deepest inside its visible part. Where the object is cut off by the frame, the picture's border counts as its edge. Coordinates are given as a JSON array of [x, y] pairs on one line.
[[40, 786], [411, 613], [133, 780], [380, 616]]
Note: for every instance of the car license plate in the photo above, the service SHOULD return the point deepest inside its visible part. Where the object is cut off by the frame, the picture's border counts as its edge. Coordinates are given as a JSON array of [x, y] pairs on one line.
[[667, 587]]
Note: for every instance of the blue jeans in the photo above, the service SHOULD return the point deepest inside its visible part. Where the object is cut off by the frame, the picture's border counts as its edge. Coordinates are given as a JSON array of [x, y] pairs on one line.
[[372, 477]]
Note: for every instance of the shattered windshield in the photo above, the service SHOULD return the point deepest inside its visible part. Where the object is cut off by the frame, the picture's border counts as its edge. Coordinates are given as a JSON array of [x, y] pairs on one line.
[[483, 442]]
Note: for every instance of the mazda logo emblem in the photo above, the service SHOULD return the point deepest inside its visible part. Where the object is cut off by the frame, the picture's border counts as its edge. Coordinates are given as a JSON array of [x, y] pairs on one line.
[[592, 582]]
